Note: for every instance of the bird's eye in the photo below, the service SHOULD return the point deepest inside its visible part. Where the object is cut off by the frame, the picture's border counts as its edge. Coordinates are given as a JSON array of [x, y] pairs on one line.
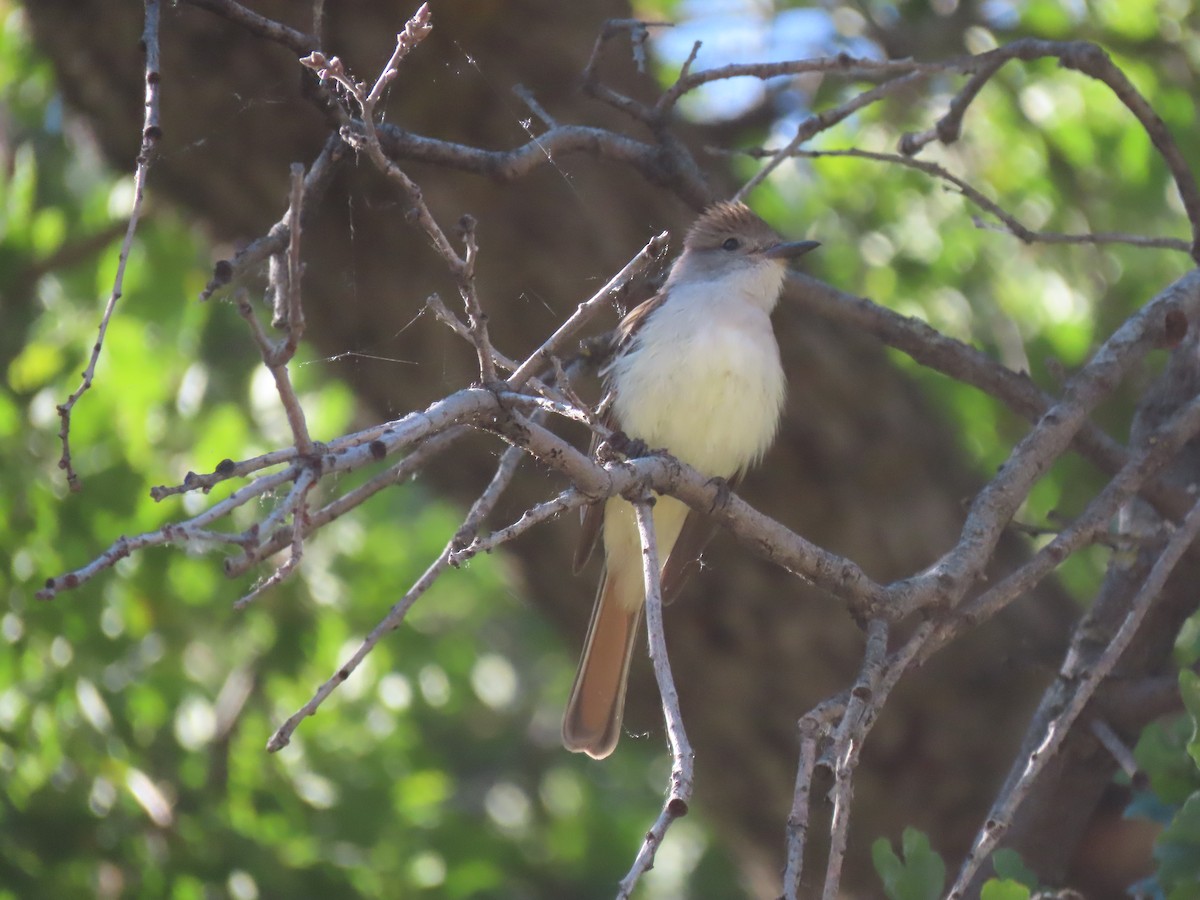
[[731, 244]]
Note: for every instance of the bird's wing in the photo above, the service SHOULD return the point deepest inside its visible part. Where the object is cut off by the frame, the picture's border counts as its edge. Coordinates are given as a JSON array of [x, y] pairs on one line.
[[593, 514], [698, 529], [592, 517]]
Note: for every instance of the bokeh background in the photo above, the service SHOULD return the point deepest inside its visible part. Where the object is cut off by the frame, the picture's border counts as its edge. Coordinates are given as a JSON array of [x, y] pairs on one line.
[[134, 712]]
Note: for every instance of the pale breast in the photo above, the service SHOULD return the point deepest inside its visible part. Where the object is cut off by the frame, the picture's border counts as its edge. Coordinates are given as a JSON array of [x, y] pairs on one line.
[[705, 382]]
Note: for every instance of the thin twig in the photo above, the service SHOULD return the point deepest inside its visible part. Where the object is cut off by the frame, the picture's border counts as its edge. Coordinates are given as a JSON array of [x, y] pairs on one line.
[[297, 505], [667, 475], [811, 732], [545, 511], [192, 533], [151, 135], [847, 746], [289, 310], [1009, 222], [295, 40], [842, 64], [590, 82], [272, 353], [395, 617], [476, 318], [506, 469], [679, 791], [1091, 60], [1117, 748], [416, 29], [969, 365], [467, 405], [815, 124], [363, 135], [527, 97], [1093, 521], [252, 256], [540, 357], [429, 449]]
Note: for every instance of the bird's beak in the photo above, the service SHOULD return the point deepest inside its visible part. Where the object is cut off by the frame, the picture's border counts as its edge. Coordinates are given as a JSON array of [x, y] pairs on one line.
[[791, 249]]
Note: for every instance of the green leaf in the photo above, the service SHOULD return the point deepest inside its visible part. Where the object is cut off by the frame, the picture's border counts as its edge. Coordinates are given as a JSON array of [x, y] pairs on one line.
[[887, 864], [1004, 889], [1010, 867], [1189, 690], [1162, 754], [1178, 848], [920, 876]]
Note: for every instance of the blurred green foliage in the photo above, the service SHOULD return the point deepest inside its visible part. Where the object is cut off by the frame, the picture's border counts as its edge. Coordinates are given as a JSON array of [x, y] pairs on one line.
[[133, 712]]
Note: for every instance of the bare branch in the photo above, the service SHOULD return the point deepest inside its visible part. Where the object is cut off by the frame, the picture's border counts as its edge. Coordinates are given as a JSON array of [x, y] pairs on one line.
[[1094, 520], [811, 731], [543, 512], [1083, 672], [848, 740], [1091, 60], [970, 366], [297, 505], [527, 97], [667, 475], [415, 30], [395, 617], [594, 87], [193, 533], [842, 64], [249, 258], [819, 122], [584, 313], [295, 40], [1009, 222], [948, 579], [1121, 753], [476, 317], [947, 594], [151, 135], [679, 791]]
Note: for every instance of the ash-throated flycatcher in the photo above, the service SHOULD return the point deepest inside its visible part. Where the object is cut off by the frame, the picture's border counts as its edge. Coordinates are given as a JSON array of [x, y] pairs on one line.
[[696, 371]]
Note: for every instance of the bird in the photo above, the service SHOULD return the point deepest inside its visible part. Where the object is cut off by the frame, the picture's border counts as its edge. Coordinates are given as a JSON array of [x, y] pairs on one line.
[[696, 371]]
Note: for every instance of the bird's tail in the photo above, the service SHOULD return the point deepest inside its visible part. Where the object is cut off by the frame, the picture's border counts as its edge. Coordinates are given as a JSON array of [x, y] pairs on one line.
[[592, 722]]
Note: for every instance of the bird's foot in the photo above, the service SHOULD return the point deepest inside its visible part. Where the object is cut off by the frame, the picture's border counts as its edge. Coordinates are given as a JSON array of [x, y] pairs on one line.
[[724, 492], [630, 448]]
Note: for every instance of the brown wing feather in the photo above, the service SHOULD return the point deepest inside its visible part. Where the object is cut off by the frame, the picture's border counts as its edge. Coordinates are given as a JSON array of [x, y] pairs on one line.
[[634, 319], [698, 529], [589, 535], [592, 515]]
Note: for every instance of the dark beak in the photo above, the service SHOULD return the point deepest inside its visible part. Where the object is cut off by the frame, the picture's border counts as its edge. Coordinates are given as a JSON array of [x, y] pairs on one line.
[[791, 250]]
